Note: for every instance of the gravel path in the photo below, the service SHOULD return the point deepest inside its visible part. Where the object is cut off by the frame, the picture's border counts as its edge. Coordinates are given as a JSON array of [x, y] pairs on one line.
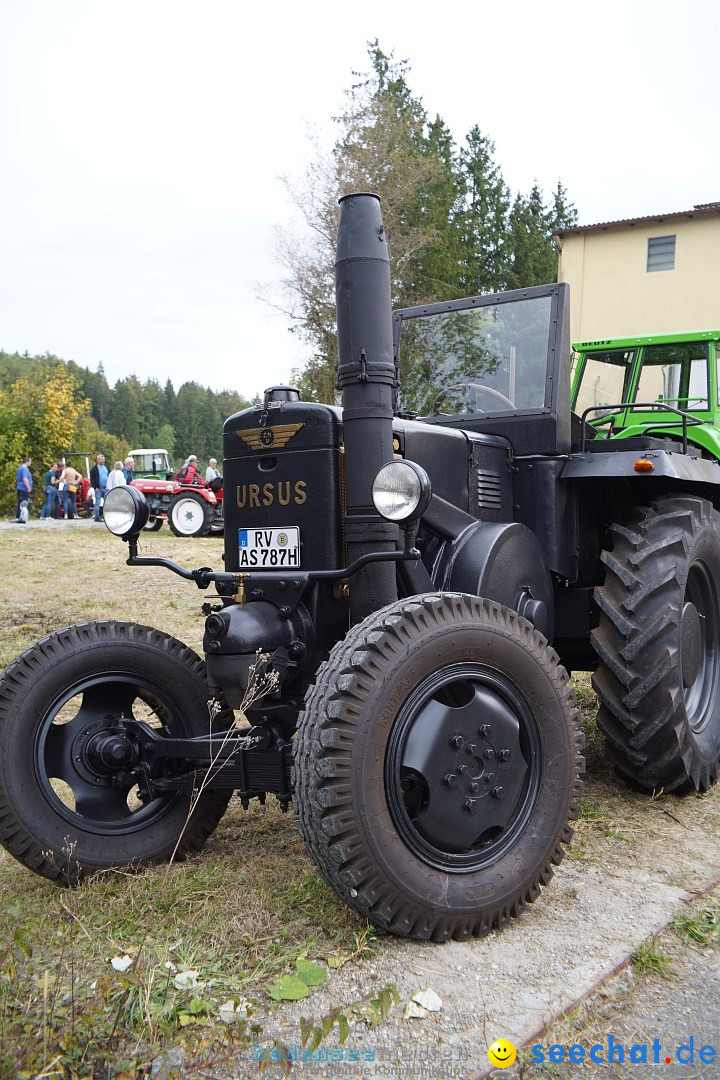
[[512, 985]]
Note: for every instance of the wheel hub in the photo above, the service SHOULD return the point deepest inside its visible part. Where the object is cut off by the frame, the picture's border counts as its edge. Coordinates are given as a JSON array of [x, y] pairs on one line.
[[98, 753], [112, 752], [461, 759], [473, 768]]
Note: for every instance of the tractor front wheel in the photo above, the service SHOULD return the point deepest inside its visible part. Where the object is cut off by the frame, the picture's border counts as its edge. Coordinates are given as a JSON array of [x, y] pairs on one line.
[[438, 766], [658, 644], [71, 801]]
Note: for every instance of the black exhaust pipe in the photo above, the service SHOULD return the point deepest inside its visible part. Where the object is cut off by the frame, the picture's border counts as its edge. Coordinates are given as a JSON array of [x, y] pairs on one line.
[[367, 379]]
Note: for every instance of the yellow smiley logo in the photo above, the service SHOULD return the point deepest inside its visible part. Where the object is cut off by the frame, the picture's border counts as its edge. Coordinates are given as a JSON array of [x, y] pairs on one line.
[[502, 1053]]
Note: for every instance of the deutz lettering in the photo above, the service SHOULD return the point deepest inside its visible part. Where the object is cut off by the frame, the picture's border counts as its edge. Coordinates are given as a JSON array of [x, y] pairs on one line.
[[253, 496]]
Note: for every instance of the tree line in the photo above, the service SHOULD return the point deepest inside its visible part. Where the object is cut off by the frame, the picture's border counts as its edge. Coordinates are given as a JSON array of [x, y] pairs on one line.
[[453, 226], [50, 407]]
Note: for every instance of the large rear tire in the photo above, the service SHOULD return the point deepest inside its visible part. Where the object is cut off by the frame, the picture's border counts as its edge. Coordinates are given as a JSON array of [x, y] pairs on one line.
[[438, 766], [63, 812], [658, 643], [190, 515]]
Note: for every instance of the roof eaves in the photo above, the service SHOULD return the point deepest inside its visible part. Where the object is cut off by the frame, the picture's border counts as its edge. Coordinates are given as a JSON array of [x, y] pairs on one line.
[[698, 210]]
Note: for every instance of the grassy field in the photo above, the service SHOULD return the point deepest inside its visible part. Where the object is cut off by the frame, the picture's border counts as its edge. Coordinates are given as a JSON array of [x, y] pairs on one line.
[[238, 915]]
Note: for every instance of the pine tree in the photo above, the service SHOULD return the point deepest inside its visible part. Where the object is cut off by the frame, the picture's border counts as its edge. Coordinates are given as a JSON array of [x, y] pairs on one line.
[[124, 411], [384, 144], [484, 248]]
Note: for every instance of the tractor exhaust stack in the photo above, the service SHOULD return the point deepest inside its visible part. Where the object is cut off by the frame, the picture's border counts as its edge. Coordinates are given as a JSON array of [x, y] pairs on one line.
[[367, 379]]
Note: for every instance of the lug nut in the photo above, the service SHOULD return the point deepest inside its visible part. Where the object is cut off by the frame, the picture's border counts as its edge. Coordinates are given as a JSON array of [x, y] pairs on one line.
[[503, 755], [488, 753], [473, 788], [471, 748], [462, 769], [484, 731], [469, 805], [497, 793], [450, 779], [457, 742]]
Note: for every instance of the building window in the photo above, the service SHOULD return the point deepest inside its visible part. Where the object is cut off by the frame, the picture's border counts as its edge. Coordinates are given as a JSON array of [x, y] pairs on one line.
[[661, 253]]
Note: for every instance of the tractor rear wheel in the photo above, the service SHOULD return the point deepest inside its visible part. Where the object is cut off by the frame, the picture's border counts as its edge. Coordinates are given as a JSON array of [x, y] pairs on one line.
[[658, 644], [70, 803], [438, 766], [190, 515]]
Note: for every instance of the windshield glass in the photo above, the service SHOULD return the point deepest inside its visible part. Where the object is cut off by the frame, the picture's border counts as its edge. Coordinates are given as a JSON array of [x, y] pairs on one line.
[[156, 462], [676, 373], [490, 359], [605, 379]]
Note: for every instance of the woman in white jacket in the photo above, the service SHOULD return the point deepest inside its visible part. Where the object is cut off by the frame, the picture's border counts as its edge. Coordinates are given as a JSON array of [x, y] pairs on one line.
[[116, 477]]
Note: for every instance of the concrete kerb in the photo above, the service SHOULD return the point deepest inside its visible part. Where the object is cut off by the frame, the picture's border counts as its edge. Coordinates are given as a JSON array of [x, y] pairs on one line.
[[687, 897]]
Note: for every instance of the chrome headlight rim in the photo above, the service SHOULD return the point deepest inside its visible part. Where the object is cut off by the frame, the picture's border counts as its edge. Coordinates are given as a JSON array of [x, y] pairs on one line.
[[401, 491], [125, 511]]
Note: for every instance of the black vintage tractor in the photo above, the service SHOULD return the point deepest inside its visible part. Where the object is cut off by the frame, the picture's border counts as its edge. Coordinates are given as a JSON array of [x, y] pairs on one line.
[[404, 576]]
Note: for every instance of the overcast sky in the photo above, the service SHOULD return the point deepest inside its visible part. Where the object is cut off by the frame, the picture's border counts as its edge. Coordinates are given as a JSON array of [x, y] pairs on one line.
[[141, 145]]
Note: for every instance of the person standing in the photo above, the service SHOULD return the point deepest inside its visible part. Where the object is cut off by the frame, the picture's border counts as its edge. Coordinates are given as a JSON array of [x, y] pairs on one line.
[[212, 472], [23, 483], [98, 479], [129, 470], [116, 477], [69, 481], [52, 492]]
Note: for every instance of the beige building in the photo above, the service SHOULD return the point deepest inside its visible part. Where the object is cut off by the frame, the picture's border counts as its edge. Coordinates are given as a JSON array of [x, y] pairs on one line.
[[649, 275]]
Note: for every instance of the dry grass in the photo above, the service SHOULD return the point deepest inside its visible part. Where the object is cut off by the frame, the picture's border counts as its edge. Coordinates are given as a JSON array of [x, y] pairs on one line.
[[58, 574], [239, 913]]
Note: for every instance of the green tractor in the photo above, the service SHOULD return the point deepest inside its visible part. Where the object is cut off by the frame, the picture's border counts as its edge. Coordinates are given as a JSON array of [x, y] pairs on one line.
[[636, 386]]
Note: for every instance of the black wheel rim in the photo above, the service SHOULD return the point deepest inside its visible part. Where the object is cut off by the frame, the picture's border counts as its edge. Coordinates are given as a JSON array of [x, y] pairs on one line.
[[83, 763], [700, 633], [463, 767]]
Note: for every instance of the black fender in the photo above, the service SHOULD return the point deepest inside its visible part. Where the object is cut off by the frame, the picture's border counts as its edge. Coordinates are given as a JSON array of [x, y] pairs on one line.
[[503, 562]]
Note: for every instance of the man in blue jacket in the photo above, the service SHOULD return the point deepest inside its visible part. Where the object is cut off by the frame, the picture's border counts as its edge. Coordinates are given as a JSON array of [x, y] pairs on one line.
[[23, 483]]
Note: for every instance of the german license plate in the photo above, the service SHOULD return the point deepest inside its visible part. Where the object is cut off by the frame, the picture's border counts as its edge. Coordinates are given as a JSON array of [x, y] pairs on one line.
[[269, 548]]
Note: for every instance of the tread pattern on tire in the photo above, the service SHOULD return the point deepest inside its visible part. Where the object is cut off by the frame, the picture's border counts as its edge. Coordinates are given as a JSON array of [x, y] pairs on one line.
[[16, 681], [638, 680], [327, 732]]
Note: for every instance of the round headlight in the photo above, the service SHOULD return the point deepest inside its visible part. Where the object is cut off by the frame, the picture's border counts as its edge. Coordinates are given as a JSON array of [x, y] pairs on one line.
[[125, 510], [401, 491]]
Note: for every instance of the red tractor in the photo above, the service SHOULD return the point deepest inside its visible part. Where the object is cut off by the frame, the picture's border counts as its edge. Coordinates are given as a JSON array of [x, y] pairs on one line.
[[194, 509]]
